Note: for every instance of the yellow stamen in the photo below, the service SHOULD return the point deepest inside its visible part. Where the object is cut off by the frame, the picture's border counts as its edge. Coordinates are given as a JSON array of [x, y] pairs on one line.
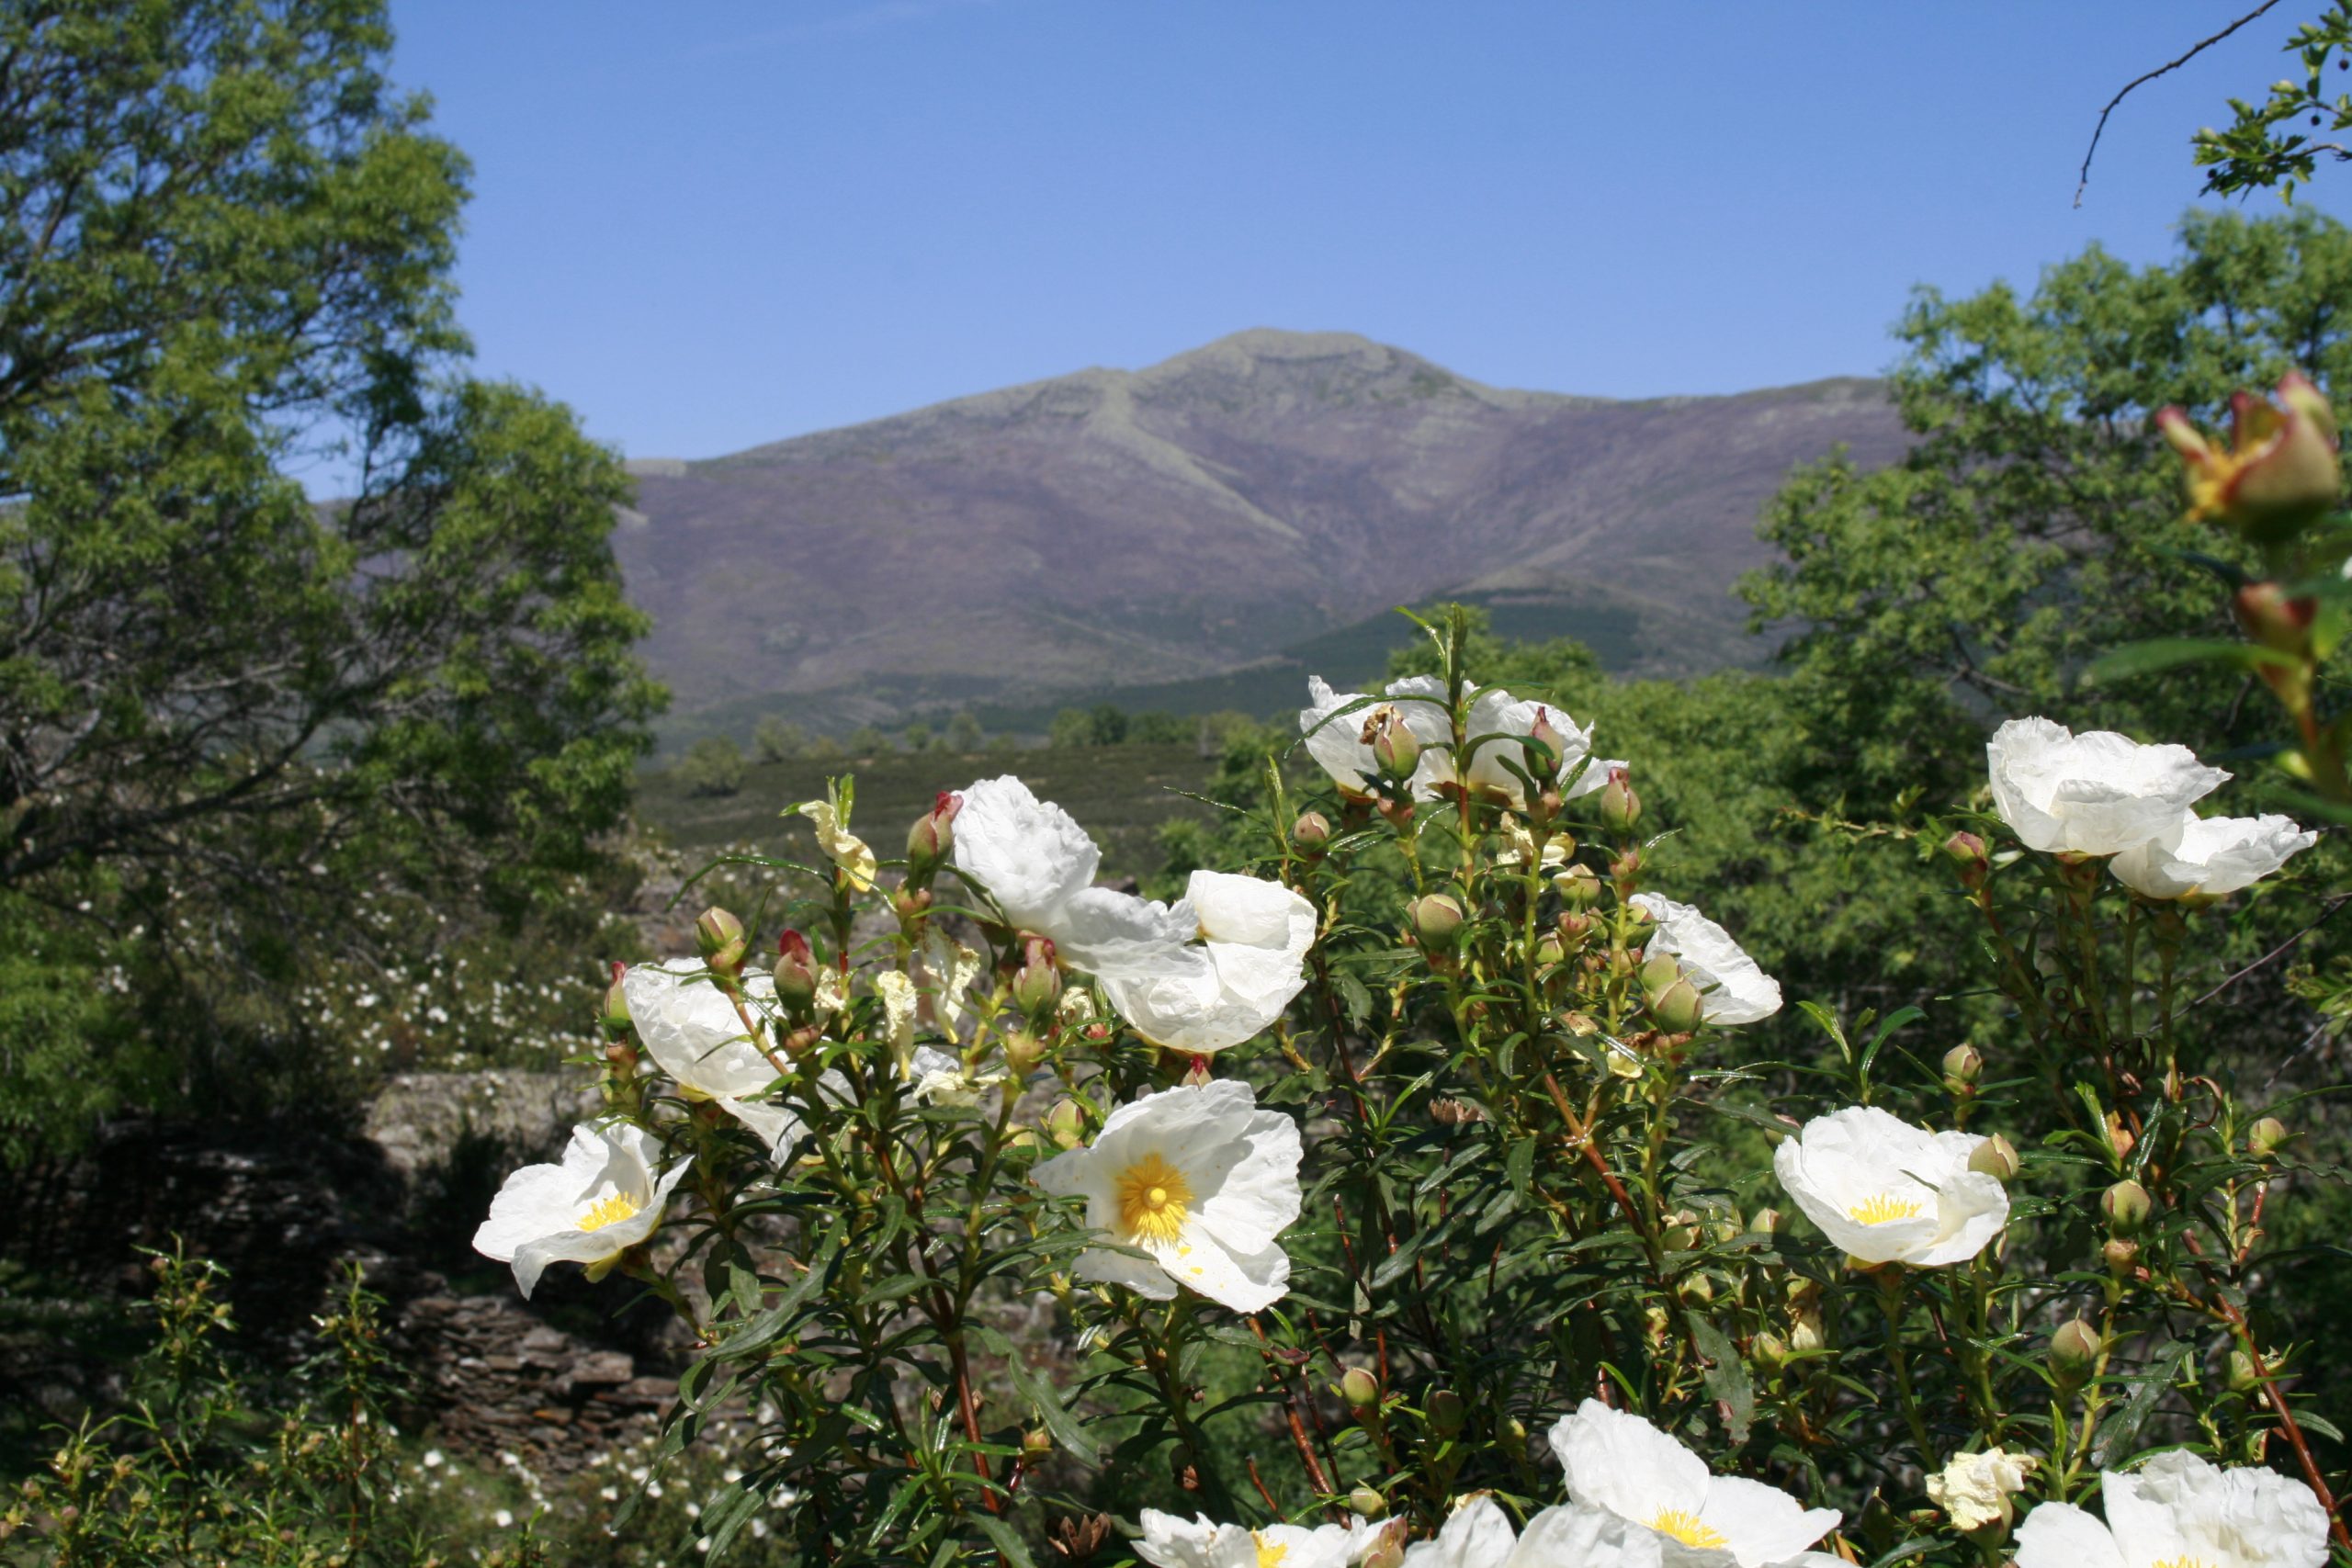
[[2181, 1561], [1686, 1529], [1153, 1195], [611, 1211], [1884, 1210], [1270, 1553]]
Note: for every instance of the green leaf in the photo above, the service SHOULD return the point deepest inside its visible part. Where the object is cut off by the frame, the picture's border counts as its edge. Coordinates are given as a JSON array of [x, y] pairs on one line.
[[2159, 654]]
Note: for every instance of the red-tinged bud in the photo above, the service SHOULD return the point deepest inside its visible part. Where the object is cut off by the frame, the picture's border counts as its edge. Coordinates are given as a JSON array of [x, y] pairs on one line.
[[1037, 1444], [1765, 1221], [1065, 1124], [1446, 1412], [1544, 746], [933, 835], [623, 1057], [2120, 1255], [1395, 812], [1436, 919], [1573, 926], [2279, 473], [1623, 871], [1967, 850], [1311, 833], [1395, 750], [1366, 1503], [615, 1017], [2271, 619], [720, 937], [1619, 806], [1038, 984], [2119, 1137], [796, 973], [1022, 1051]]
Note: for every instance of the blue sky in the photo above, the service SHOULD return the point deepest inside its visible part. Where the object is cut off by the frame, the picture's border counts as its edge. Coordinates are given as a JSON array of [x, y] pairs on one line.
[[711, 225]]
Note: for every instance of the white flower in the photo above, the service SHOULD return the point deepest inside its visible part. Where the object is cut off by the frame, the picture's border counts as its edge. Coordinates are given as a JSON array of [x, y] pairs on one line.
[[693, 1034], [1519, 846], [2180, 1510], [2205, 857], [898, 994], [2092, 793], [845, 848], [1251, 963], [1495, 713], [1886, 1191], [953, 968], [602, 1199], [1477, 1534], [1976, 1489], [1198, 1179], [1039, 865], [1620, 1463], [1170, 1540], [1336, 738], [1734, 989]]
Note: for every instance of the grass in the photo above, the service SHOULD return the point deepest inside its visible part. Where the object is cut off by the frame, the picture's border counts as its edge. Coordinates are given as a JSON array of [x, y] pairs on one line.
[[1119, 794]]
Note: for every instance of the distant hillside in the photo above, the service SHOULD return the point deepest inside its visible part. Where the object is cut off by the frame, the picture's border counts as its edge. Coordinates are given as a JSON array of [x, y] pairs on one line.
[[1113, 528]]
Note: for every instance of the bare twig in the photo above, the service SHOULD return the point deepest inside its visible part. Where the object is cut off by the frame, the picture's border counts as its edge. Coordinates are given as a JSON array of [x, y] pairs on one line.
[[2142, 81], [2325, 915]]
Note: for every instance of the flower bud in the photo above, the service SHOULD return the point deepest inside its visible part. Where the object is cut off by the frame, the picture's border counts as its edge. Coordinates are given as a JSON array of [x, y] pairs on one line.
[[1765, 1221], [1806, 1333], [1658, 971], [1395, 750], [1065, 1124], [1968, 851], [1544, 746], [1366, 1503], [1962, 1067], [933, 835], [1311, 833], [1437, 921], [1037, 985], [1577, 887], [2074, 1352], [2271, 619], [1388, 1546], [2279, 473], [1995, 1157], [1769, 1351], [1446, 1412], [1679, 1008], [1619, 806], [1022, 1051], [720, 937], [1550, 950], [614, 1016], [795, 972], [2243, 1378], [2126, 1205], [1360, 1389], [1624, 870], [2119, 1137], [2262, 1139], [2119, 1255]]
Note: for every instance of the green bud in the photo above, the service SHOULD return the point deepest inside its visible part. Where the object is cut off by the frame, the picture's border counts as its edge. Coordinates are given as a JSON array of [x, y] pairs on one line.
[[1022, 1051], [1437, 921], [795, 972], [2074, 1352], [1619, 806], [2243, 1378], [1577, 886], [933, 835], [1968, 851], [1659, 971], [1679, 1008], [1037, 985], [1769, 1351], [1962, 1067], [1446, 1412], [1359, 1388], [1311, 832], [1065, 1124], [720, 937], [1550, 950], [1366, 1503], [2262, 1139], [2126, 1205], [1036, 1443], [615, 1017], [1765, 1221], [2121, 1255], [1995, 1157], [1395, 750]]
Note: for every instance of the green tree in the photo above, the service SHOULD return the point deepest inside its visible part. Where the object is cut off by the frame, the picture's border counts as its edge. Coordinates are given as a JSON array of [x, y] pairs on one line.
[[713, 765], [964, 735], [917, 736], [868, 741], [225, 258], [2264, 147], [775, 740]]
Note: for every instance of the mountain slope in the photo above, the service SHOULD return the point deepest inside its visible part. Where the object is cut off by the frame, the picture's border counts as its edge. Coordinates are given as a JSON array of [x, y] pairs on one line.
[[1114, 527]]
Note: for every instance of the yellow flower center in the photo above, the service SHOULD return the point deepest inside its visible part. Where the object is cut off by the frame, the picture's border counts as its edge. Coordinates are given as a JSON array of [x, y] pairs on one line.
[[1884, 1210], [611, 1211], [1152, 1198], [2181, 1561], [1270, 1553], [1686, 1529]]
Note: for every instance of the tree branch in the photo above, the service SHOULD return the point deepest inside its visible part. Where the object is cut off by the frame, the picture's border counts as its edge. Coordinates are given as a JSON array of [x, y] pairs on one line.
[[2084, 182]]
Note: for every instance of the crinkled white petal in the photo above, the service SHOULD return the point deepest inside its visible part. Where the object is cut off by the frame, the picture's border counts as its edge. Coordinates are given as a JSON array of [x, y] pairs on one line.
[[2209, 856], [1582, 1535], [2179, 1505], [1616, 1461], [1029, 854], [536, 1216], [1477, 1534], [844, 847], [1976, 1489], [1734, 990], [1885, 1191], [2094, 794], [1334, 738], [952, 968], [2059, 1535], [1237, 983], [693, 1032], [898, 994], [1117, 936]]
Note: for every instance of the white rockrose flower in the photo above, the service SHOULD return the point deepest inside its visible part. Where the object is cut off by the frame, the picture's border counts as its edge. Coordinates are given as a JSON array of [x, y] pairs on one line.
[[2205, 857], [602, 1199], [1199, 1179], [1886, 1191], [2094, 794], [1170, 1540], [1250, 963], [899, 1005], [1340, 740], [1733, 989], [940, 1078], [1976, 1489], [693, 1034], [1620, 1463], [952, 968], [1039, 865], [1477, 1534], [1494, 712], [2177, 1510]]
